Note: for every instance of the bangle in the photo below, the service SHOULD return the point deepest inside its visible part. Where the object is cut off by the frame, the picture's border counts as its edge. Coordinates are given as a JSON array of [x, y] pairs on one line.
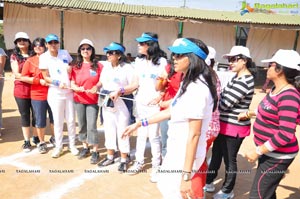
[[247, 115], [55, 82], [144, 122], [122, 90], [258, 151]]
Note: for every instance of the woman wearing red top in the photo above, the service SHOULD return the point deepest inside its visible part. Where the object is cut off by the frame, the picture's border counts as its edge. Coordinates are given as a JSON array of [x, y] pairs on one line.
[[85, 76], [168, 83], [39, 91], [20, 53]]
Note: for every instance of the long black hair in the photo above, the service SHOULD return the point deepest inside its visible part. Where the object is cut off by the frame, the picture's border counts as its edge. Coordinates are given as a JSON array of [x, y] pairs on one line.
[[17, 52], [196, 68], [94, 65], [154, 51]]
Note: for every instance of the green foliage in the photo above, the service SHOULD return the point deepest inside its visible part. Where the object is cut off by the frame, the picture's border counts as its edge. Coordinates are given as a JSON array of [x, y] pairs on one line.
[[2, 44]]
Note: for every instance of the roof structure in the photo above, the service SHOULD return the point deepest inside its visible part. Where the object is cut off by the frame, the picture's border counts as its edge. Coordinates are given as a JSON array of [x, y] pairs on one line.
[[167, 13]]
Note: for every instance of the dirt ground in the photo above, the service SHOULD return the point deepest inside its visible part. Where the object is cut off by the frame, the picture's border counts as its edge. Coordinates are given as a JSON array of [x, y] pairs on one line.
[[33, 175]]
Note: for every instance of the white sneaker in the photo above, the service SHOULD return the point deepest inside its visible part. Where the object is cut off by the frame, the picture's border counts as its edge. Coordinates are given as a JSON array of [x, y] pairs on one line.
[[74, 150], [135, 169], [222, 195], [57, 152], [154, 175], [209, 187]]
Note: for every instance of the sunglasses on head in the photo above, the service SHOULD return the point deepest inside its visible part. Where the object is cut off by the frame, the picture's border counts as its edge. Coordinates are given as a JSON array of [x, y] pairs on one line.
[[234, 59], [53, 42], [21, 39], [88, 48]]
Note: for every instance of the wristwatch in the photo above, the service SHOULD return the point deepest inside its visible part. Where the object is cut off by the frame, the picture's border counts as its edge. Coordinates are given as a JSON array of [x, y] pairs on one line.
[[186, 176]]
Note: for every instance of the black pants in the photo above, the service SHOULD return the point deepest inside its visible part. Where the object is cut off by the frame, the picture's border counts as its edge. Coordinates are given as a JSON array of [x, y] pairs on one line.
[[224, 147], [26, 111], [268, 175]]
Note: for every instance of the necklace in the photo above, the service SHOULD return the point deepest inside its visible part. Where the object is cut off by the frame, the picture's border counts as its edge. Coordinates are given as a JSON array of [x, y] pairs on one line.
[[274, 93]]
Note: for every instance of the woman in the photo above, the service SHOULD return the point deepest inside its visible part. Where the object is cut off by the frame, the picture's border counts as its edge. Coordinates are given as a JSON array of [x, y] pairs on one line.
[[20, 53], [149, 64], [39, 91], [55, 69], [3, 58], [117, 79], [85, 82], [275, 125], [168, 84], [189, 114], [235, 98]]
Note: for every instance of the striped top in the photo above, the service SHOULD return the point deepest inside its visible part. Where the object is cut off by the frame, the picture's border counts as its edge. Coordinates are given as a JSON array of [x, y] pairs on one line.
[[235, 99], [276, 122]]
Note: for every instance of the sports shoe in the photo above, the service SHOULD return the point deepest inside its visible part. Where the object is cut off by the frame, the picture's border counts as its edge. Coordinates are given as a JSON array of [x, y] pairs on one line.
[[42, 147], [35, 140], [85, 152], [123, 167], [73, 150], [135, 169], [222, 195], [95, 158], [26, 146], [154, 174], [52, 140], [57, 152], [210, 187], [106, 162]]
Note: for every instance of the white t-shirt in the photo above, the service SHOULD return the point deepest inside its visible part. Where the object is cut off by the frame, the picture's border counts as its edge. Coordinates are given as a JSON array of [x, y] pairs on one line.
[[113, 78], [147, 73], [195, 103], [57, 67]]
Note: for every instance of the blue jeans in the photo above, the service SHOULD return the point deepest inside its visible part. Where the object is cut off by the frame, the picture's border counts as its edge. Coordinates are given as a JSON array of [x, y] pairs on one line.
[[87, 115], [164, 126], [40, 108]]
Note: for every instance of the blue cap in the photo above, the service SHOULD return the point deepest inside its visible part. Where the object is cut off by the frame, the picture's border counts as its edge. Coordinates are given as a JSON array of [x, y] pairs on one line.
[[51, 37], [114, 46], [145, 37], [183, 46]]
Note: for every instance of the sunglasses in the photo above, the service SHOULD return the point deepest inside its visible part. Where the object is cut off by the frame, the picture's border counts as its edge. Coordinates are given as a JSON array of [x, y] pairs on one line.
[[112, 52], [272, 64], [53, 42], [142, 43], [234, 59], [178, 56], [88, 48], [21, 39]]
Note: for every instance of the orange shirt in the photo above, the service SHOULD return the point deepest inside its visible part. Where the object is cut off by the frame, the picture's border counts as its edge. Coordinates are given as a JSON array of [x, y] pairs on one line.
[[31, 69]]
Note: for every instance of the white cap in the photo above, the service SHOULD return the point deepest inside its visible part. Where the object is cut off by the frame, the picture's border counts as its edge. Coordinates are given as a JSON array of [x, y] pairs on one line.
[[286, 58], [22, 35], [238, 50], [86, 41], [211, 55]]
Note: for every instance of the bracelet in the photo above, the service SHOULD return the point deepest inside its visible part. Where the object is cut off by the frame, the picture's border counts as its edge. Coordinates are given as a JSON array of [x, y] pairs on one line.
[[247, 115], [144, 122], [122, 90], [55, 82], [258, 151]]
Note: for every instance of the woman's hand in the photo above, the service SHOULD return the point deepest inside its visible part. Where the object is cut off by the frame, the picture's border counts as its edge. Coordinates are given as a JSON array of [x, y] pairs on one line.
[[130, 129], [243, 116], [186, 190], [93, 90], [251, 156]]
